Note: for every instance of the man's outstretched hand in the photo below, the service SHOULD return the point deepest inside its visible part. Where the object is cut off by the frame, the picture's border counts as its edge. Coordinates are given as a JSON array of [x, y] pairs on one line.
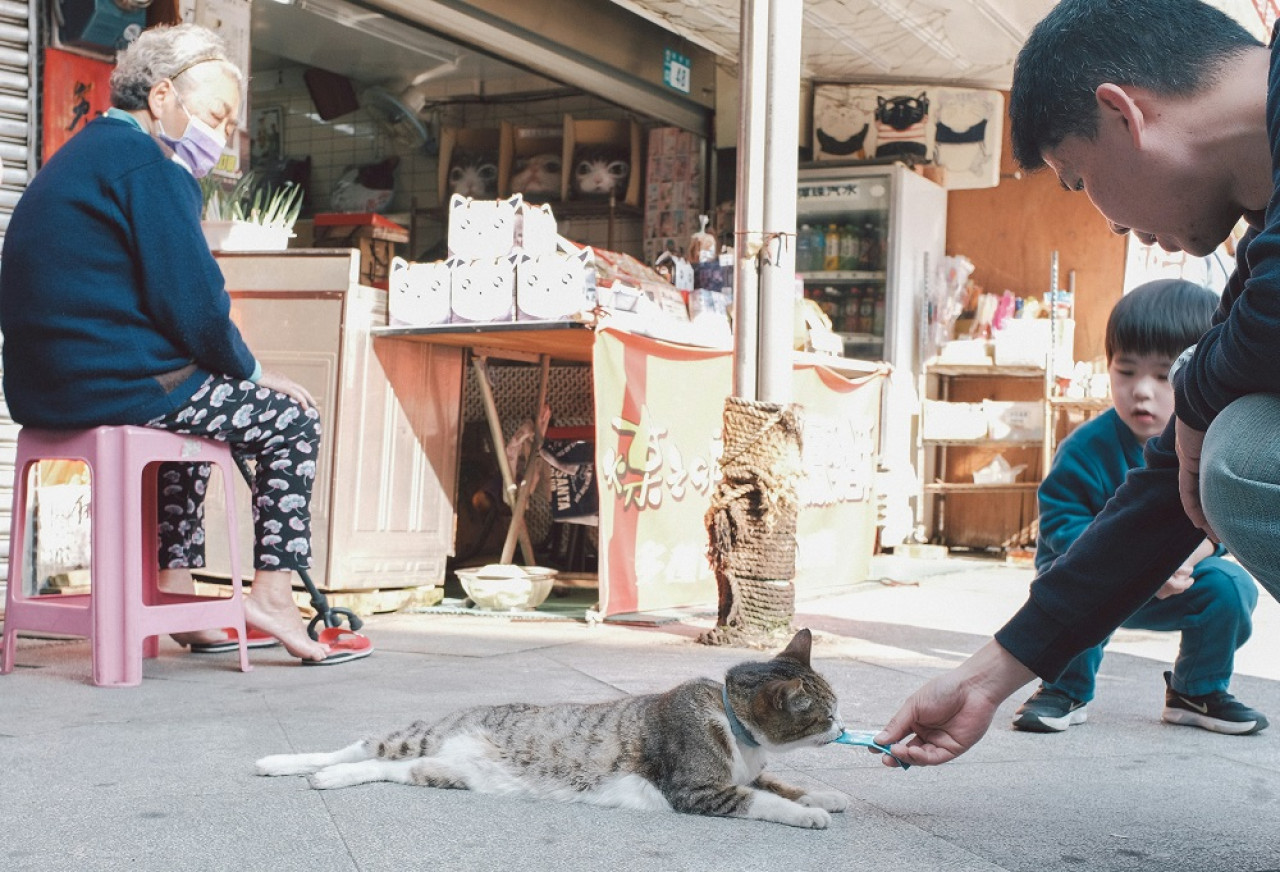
[[947, 716]]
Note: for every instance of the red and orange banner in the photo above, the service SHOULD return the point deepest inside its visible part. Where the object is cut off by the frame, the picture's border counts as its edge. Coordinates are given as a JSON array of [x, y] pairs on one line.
[[659, 422]]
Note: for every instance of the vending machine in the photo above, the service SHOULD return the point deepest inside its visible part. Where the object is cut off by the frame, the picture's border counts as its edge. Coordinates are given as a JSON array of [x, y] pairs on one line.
[[870, 240]]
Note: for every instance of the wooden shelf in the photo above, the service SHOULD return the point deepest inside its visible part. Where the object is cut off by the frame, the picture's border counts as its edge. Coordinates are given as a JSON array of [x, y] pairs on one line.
[[994, 443], [1088, 404], [979, 370], [951, 487]]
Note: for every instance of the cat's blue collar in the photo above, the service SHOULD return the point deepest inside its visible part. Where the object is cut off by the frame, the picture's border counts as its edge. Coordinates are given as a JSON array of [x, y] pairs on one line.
[[739, 731]]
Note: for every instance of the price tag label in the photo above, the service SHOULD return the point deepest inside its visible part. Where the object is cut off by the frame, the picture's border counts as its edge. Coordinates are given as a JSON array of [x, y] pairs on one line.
[[675, 71]]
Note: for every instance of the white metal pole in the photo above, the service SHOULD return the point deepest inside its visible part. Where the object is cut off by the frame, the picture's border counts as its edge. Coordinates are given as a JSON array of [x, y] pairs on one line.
[[778, 266], [749, 194]]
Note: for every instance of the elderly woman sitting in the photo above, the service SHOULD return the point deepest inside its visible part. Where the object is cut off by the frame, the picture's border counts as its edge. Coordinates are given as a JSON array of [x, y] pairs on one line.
[[114, 312]]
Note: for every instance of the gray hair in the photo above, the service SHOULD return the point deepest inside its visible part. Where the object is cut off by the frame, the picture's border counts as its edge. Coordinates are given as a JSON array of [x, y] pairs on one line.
[[164, 53]]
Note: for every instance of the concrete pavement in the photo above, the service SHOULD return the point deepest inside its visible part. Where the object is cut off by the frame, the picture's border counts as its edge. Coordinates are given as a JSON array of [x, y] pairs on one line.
[[159, 777]]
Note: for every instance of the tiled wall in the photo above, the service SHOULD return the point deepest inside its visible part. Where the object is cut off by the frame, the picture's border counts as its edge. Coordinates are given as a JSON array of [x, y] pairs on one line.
[[355, 139]]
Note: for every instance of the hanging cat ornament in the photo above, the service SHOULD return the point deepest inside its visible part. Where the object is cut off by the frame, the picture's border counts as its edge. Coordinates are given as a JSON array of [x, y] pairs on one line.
[[473, 174], [699, 748], [600, 172]]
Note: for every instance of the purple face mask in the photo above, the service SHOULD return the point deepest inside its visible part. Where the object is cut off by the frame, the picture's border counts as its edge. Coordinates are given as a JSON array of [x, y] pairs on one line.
[[199, 147]]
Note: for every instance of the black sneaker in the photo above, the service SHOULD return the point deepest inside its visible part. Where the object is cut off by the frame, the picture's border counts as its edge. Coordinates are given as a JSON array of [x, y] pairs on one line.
[[1049, 711], [1219, 712]]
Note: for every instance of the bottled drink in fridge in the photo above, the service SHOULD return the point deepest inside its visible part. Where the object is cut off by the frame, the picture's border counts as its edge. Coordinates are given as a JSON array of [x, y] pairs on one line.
[[848, 247], [804, 249], [866, 311], [877, 312], [871, 251], [831, 256]]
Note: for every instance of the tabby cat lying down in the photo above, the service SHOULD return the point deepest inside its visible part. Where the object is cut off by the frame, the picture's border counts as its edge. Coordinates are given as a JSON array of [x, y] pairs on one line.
[[699, 748]]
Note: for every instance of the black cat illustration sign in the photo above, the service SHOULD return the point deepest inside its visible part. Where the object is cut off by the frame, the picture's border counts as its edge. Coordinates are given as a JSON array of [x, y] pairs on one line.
[[956, 128]]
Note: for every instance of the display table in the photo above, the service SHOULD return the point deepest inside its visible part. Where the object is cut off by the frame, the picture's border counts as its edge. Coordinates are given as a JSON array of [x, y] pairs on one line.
[[536, 341], [658, 424]]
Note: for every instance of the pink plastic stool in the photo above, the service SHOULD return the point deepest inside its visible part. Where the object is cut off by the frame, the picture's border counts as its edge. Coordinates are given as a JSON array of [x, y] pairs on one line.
[[125, 610]]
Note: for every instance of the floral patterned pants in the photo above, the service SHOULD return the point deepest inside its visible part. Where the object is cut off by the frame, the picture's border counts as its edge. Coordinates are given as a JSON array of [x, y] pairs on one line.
[[280, 438]]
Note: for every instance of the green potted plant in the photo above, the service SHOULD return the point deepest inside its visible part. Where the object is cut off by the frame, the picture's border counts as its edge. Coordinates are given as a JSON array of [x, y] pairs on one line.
[[252, 216]]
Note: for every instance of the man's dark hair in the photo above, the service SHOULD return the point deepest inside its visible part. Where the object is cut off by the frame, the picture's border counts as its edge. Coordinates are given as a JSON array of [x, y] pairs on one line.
[[1160, 317], [1168, 47]]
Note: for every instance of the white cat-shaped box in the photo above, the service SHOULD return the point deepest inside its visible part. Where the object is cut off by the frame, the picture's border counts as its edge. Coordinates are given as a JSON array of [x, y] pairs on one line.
[[418, 293], [484, 290], [482, 229], [554, 287], [536, 230]]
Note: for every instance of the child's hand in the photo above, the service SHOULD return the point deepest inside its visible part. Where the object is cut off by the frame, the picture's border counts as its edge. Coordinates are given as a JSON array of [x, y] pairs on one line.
[[1177, 583]]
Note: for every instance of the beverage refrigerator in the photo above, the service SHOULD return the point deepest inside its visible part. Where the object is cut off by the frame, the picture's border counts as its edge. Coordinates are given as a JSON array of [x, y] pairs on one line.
[[870, 240]]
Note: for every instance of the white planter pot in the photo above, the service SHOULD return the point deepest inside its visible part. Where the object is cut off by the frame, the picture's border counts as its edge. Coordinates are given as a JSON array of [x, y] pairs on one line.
[[244, 236]]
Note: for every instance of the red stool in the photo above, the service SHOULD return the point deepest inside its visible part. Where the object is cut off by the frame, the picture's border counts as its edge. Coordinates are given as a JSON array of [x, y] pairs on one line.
[[125, 610]]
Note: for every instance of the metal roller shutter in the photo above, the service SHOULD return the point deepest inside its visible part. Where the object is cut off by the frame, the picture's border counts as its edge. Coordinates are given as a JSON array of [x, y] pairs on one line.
[[18, 114]]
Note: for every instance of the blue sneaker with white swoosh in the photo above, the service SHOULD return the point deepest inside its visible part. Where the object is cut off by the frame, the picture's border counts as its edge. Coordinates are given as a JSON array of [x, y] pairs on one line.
[[1219, 712]]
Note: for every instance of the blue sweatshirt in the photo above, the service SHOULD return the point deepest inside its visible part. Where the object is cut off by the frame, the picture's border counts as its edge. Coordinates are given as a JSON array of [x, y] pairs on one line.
[[1089, 467], [1143, 535], [112, 307]]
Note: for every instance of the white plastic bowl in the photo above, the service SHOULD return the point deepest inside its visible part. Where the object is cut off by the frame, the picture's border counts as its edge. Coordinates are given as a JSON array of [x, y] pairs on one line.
[[502, 587]]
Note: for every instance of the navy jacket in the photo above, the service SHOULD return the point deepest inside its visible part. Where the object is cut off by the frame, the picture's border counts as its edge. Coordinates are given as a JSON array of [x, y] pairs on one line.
[[1143, 535], [112, 308]]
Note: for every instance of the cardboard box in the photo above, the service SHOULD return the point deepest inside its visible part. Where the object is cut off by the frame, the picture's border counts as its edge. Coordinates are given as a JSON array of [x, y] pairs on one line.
[[419, 293], [482, 229], [1017, 420], [531, 162], [374, 236], [479, 141], [483, 290], [622, 137], [554, 287], [943, 420]]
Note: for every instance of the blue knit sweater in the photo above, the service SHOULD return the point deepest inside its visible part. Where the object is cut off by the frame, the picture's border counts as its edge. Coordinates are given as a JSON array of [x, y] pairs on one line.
[[112, 308], [1143, 535]]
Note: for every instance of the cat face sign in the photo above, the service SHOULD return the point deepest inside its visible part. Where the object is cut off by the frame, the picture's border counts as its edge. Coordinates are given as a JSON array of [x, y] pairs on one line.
[[473, 174], [538, 176], [599, 172]]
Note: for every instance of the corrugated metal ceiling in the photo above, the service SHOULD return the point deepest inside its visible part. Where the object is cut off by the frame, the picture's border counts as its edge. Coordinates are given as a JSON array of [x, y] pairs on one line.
[[971, 42]]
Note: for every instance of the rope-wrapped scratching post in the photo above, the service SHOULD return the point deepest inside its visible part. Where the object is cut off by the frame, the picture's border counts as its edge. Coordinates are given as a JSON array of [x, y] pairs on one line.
[[751, 524]]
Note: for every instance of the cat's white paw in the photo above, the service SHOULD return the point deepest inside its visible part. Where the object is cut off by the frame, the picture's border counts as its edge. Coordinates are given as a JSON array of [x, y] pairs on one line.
[[811, 818], [283, 764], [327, 779], [829, 800]]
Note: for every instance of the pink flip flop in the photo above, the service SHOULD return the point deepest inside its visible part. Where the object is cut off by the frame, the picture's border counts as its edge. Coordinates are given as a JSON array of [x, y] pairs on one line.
[[343, 646], [253, 639]]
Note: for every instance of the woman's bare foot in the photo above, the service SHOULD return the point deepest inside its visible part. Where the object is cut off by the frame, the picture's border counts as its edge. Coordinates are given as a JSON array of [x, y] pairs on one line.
[[282, 620], [199, 637]]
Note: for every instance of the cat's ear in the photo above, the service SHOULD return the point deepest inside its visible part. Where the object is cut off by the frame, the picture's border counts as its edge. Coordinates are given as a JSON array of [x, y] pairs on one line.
[[788, 696], [799, 647]]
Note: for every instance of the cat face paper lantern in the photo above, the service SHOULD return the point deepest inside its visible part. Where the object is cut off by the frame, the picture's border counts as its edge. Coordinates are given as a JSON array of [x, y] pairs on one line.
[[482, 228]]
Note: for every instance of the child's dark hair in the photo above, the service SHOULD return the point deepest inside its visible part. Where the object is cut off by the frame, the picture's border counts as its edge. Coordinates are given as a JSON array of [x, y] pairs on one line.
[[1160, 317]]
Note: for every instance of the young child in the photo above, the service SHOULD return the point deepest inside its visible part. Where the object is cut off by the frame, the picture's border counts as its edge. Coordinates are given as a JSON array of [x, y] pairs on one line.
[[1209, 599]]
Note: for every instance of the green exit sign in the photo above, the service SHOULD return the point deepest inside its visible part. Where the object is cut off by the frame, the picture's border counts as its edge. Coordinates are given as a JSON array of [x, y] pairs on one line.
[[675, 71]]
